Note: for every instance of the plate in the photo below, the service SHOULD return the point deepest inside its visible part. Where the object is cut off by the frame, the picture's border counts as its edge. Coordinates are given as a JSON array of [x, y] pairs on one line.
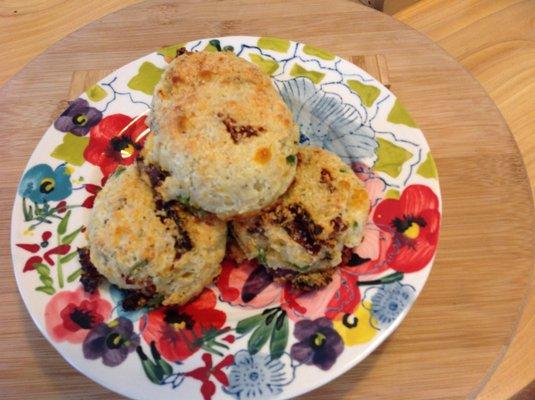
[[245, 337]]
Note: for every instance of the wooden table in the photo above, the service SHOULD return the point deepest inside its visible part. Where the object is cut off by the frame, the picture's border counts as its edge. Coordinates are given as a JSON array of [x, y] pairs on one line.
[[504, 63], [464, 321]]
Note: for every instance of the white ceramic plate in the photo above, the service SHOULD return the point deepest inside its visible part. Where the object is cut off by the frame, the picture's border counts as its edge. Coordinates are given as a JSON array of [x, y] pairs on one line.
[[233, 341]]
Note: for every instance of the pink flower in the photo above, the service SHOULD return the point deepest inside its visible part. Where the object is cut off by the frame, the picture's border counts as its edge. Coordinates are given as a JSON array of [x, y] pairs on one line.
[[375, 186], [370, 256], [250, 285], [70, 315]]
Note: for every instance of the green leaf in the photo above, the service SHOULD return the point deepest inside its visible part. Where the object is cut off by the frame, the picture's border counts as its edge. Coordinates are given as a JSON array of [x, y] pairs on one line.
[[267, 65], [96, 93], [367, 93], [275, 44], [392, 194], [74, 276], [210, 48], [46, 289], [47, 280], [146, 79], [65, 259], [62, 227], [315, 52], [216, 43], [118, 171], [167, 369], [399, 115], [260, 336], [428, 169], [390, 157], [68, 239], [228, 48], [248, 324], [395, 277], [314, 76], [150, 368], [279, 336], [42, 269], [71, 149], [169, 52], [153, 372], [161, 364], [28, 214]]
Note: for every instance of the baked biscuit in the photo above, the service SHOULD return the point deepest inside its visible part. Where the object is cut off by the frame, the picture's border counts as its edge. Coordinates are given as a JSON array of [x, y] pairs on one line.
[[323, 211], [221, 133], [137, 242]]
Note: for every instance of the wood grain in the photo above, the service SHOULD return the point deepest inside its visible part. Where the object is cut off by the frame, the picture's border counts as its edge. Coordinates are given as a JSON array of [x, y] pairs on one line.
[[467, 312], [375, 65], [504, 64], [29, 27]]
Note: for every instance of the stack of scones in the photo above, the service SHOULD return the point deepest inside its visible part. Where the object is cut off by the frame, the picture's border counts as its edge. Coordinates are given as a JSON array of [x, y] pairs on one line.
[[223, 164]]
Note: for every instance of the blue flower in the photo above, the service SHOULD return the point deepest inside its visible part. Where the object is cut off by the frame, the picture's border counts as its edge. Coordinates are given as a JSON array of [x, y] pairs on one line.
[[78, 118], [390, 300], [258, 376], [326, 121], [117, 296], [41, 184]]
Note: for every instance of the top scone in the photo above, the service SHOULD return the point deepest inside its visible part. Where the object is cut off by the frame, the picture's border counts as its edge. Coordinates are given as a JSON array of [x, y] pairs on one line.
[[223, 137]]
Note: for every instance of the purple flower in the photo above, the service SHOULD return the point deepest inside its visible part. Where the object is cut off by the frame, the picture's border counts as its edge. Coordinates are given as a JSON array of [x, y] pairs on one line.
[[319, 344], [112, 341], [78, 118]]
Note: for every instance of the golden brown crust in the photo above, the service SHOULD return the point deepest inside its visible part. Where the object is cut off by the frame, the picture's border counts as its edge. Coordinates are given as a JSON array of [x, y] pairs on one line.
[[137, 242], [324, 209], [223, 133]]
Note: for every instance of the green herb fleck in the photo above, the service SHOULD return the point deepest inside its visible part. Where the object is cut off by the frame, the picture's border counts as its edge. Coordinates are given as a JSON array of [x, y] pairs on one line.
[[343, 170], [291, 159], [184, 200], [303, 268], [134, 268], [262, 256], [228, 48], [355, 224]]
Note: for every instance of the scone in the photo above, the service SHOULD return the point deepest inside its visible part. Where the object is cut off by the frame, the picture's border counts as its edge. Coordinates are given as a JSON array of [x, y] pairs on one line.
[[303, 236], [221, 134], [136, 243]]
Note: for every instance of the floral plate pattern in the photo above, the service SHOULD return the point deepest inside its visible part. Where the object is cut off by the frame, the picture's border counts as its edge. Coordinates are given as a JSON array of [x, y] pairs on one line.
[[246, 337]]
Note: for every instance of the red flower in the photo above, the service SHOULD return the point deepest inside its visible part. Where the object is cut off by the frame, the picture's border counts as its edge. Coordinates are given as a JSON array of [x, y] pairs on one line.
[[93, 191], [35, 247], [413, 221], [203, 374], [70, 315], [113, 142], [178, 330]]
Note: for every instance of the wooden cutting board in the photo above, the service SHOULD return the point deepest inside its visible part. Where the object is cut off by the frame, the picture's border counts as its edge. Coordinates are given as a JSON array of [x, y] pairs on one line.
[[466, 314]]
